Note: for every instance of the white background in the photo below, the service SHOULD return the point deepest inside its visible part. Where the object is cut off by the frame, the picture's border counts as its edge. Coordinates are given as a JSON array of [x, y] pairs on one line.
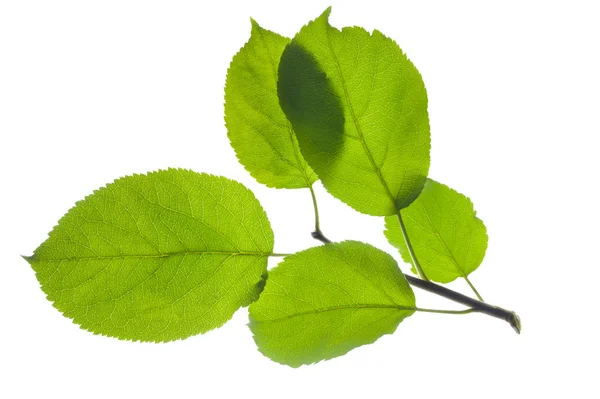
[[91, 91]]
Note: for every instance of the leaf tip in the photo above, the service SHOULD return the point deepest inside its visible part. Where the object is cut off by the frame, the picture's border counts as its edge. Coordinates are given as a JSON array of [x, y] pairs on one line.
[[324, 15]]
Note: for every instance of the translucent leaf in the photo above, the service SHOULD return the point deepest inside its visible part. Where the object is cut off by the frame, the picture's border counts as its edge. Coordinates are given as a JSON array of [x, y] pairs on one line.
[[259, 131], [359, 109], [323, 302], [157, 257], [448, 239]]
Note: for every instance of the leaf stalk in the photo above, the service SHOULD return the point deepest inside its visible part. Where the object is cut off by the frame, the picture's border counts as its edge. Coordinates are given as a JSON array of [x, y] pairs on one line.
[[443, 311], [411, 251], [473, 289], [317, 234], [316, 208]]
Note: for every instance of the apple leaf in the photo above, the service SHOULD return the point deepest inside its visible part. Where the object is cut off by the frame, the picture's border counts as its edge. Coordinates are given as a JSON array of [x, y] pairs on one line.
[[258, 130], [359, 109], [447, 237], [157, 257], [324, 301]]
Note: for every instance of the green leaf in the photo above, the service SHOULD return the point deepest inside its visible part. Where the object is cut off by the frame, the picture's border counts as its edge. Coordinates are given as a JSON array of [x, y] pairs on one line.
[[323, 302], [157, 257], [258, 130], [359, 109], [448, 239]]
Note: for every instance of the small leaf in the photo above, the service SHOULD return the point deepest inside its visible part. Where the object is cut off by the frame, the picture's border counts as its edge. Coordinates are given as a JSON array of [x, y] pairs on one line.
[[447, 237], [157, 257], [359, 109], [258, 130], [323, 302]]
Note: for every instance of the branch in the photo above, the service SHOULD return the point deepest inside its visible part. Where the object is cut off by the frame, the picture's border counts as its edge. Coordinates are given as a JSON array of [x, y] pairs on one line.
[[478, 306]]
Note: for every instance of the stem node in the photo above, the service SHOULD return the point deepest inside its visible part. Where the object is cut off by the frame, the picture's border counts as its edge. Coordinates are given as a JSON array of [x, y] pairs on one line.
[[318, 235]]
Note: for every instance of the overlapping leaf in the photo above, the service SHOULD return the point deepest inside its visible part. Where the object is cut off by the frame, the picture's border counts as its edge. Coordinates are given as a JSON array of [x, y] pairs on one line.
[[258, 130], [447, 237], [157, 257], [359, 108], [322, 302]]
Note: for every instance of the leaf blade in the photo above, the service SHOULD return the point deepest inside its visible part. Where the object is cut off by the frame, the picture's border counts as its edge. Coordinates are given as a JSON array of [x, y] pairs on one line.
[[259, 132], [372, 152], [325, 301], [448, 238], [156, 257]]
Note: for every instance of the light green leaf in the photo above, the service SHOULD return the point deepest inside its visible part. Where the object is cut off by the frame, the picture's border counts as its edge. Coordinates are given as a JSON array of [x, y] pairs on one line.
[[448, 239], [259, 131], [359, 109], [157, 257], [323, 302]]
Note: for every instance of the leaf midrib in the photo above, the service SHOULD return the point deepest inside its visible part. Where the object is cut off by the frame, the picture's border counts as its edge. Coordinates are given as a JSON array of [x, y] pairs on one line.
[[339, 307], [155, 256], [357, 124], [299, 165], [451, 256]]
